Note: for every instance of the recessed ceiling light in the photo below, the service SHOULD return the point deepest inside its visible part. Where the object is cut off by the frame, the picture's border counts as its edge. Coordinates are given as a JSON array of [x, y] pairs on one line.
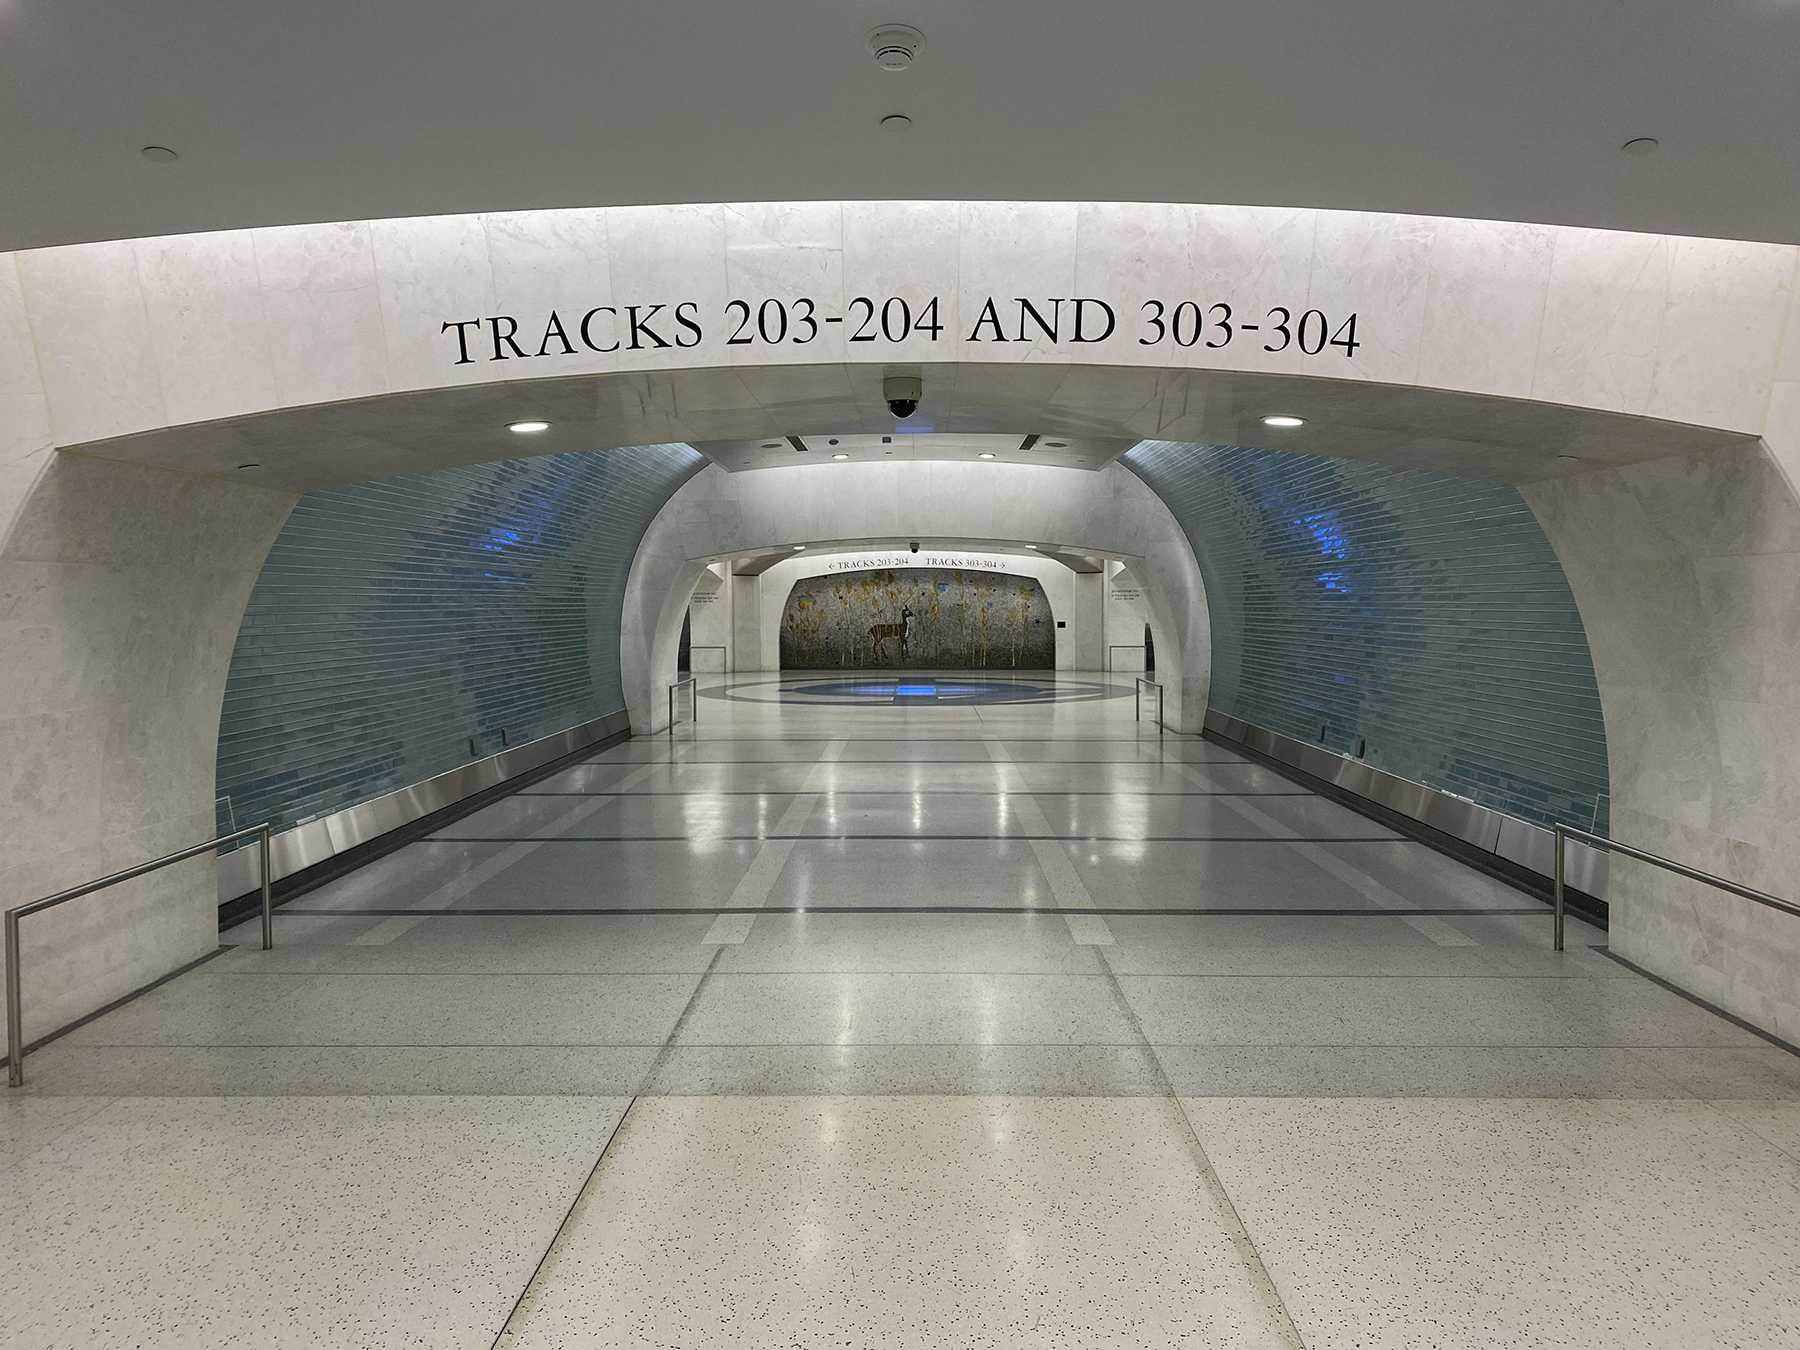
[[527, 428], [249, 466], [799, 548], [840, 455], [896, 122], [1568, 459], [159, 154], [773, 445], [1031, 546], [1283, 420], [985, 454], [1643, 145], [1056, 445]]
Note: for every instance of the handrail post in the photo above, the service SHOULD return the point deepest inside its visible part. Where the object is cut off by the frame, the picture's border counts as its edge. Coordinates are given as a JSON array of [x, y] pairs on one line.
[[15, 1021], [1562, 845], [268, 906], [677, 685]]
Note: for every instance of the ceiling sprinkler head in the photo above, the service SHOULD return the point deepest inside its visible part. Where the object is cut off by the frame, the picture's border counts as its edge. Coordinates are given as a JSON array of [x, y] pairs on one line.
[[895, 45]]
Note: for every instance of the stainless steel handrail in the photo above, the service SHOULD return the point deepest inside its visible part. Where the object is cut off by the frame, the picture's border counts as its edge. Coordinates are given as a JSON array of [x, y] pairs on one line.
[[672, 688], [708, 647], [1120, 647], [15, 1020], [1137, 702], [1567, 832]]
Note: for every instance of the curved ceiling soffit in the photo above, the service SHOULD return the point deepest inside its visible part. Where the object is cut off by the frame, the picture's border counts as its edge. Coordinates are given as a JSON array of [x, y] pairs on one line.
[[717, 514], [327, 354]]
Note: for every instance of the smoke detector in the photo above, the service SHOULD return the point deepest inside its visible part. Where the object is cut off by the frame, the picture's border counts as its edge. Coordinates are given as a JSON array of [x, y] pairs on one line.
[[895, 45]]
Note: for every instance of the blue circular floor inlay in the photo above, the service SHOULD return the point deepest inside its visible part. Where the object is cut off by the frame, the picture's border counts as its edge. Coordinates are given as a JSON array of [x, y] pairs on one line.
[[920, 688]]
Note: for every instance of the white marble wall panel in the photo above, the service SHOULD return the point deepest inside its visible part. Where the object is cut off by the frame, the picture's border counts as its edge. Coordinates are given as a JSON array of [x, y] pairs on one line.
[[908, 249], [546, 263], [1781, 426], [1602, 320], [1687, 572], [1485, 306], [1681, 329], [436, 270], [92, 335], [1140, 255], [670, 256], [323, 309], [1252, 259], [710, 620], [785, 261], [1011, 250], [1721, 328], [24, 415], [1377, 267], [204, 303], [718, 514], [121, 592]]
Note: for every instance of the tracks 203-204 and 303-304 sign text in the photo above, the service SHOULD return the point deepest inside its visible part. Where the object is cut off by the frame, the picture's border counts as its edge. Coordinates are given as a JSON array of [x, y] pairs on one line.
[[772, 322]]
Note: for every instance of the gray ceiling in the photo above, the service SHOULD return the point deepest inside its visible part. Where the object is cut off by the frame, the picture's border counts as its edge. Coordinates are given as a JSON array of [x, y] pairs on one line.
[[337, 109]]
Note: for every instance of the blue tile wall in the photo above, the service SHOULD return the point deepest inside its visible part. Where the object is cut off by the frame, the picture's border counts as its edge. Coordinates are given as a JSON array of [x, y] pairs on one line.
[[392, 621], [1424, 613]]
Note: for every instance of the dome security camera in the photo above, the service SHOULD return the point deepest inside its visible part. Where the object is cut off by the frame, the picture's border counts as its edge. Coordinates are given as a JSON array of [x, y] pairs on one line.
[[902, 393], [915, 546]]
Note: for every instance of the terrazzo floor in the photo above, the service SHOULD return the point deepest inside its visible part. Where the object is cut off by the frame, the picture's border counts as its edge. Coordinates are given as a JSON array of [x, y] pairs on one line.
[[877, 1025]]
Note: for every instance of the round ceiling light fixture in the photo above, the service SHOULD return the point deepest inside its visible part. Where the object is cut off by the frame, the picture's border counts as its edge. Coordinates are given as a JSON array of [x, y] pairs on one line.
[[1031, 546], [840, 455], [894, 45], [799, 548], [772, 445], [1568, 459], [985, 454], [528, 427], [1057, 445], [1283, 420], [896, 122], [249, 466], [1642, 145], [159, 154]]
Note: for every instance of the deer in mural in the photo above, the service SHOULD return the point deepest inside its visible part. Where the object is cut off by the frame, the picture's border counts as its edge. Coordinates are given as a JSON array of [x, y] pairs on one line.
[[881, 632]]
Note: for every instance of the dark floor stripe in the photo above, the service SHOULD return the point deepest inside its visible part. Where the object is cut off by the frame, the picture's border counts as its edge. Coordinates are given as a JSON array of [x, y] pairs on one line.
[[912, 838], [1146, 763], [592, 911], [904, 792]]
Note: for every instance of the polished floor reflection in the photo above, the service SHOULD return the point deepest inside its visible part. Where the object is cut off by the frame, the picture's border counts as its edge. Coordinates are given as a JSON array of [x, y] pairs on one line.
[[881, 1023]]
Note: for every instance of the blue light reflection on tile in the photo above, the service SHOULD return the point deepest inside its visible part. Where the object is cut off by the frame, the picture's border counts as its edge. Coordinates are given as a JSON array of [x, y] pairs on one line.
[[1423, 613], [393, 620]]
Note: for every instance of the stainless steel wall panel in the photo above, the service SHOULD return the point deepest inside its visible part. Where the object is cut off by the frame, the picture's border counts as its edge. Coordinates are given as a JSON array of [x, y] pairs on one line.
[[1517, 841], [321, 840]]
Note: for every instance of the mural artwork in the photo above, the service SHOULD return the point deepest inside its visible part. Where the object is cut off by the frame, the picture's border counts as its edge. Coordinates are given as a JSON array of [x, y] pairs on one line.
[[932, 618]]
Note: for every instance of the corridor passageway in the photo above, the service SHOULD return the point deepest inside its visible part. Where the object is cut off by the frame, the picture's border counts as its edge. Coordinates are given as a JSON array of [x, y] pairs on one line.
[[983, 1015]]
